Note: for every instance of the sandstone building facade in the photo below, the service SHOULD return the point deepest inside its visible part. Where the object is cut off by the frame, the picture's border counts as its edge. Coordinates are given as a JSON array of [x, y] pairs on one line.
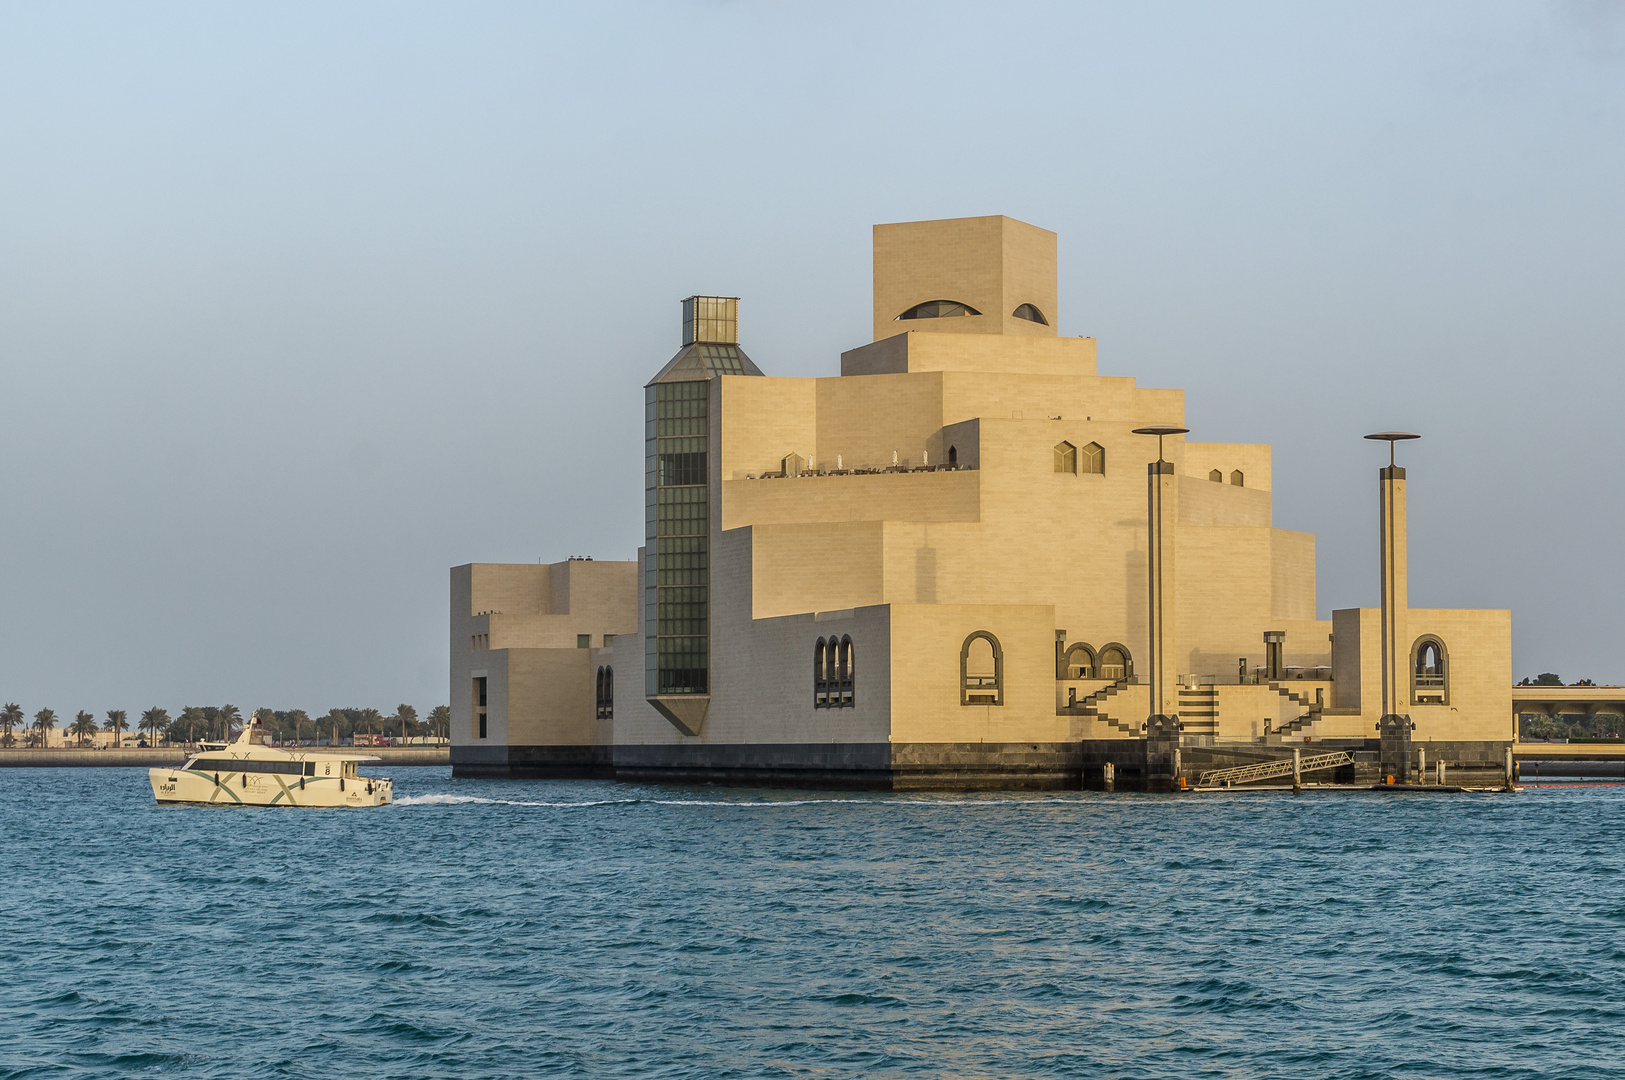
[[954, 564]]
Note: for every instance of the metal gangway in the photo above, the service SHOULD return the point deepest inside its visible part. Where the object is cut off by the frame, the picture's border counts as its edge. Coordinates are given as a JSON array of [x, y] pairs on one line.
[[1269, 770]]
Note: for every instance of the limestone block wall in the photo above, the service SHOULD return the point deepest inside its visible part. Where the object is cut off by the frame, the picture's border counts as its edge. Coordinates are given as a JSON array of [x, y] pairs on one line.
[[925, 675], [547, 697], [1479, 668], [540, 685], [919, 496], [1244, 709], [762, 689], [1253, 460], [762, 420], [907, 350], [991, 263]]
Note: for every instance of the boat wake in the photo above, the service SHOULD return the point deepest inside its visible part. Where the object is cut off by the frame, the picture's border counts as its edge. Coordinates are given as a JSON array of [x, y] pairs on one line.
[[728, 804]]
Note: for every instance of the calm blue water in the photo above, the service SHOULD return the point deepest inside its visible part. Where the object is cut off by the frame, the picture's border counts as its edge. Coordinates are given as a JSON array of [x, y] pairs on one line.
[[509, 929]]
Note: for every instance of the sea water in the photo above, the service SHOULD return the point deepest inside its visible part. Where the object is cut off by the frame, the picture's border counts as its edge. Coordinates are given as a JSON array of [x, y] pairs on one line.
[[487, 929]]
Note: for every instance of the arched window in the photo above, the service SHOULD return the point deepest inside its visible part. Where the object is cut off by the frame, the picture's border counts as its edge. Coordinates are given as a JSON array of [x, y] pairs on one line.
[[845, 661], [1237, 479], [1031, 314], [1093, 458], [953, 455], [1114, 663], [820, 677], [1066, 458], [1080, 662], [981, 670], [1217, 476], [1430, 673], [937, 309], [606, 693]]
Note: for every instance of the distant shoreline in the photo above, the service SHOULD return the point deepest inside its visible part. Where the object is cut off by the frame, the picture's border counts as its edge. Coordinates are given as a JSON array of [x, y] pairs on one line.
[[56, 757]]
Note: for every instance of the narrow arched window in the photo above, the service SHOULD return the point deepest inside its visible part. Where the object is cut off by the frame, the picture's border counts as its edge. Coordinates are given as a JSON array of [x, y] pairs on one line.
[[1080, 662], [846, 672], [820, 677], [953, 455], [1093, 458], [1115, 663], [981, 670], [1217, 476], [605, 703], [1031, 314], [1237, 479], [1066, 458], [1430, 674], [937, 309]]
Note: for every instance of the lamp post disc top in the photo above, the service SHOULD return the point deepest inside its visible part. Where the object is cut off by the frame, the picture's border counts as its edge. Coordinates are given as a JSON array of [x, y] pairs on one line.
[[1393, 436], [1161, 430]]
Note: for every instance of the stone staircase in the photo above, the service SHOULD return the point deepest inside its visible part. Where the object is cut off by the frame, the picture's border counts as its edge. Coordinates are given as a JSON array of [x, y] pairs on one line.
[[1293, 727], [1090, 707], [1199, 710]]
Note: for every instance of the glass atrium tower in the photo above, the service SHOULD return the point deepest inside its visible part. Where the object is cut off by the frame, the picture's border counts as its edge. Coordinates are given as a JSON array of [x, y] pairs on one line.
[[677, 500]]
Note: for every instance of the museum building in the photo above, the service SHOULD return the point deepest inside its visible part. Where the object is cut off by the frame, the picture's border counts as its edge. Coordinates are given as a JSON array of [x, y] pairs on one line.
[[962, 562]]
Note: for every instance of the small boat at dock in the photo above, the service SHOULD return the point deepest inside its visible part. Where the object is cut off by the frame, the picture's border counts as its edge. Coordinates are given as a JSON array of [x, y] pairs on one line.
[[247, 773]]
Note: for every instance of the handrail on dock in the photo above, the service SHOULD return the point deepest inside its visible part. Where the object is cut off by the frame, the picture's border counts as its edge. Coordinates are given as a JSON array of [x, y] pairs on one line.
[[1268, 770]]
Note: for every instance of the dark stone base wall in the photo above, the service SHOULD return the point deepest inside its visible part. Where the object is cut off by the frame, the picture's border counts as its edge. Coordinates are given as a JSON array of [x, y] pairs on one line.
[[940, 766], [533, 762], [873, 766]]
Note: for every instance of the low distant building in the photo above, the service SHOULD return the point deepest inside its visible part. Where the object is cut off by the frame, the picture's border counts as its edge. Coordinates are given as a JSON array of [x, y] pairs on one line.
[[958, 563]]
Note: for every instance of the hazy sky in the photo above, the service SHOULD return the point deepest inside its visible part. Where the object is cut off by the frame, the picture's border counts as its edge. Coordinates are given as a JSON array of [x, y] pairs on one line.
[[302, 304]]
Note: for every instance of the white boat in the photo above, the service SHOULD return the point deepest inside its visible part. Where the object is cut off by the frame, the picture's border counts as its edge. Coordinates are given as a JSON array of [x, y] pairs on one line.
[[246, 773]]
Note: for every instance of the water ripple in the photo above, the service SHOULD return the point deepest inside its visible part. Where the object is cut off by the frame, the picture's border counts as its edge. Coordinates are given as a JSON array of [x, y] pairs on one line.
[[483, 929]]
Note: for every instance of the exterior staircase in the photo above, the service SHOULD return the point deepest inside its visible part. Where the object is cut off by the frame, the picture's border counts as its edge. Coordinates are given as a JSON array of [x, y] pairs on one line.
[[1292, 727], [1090, 707], [1199, 710]]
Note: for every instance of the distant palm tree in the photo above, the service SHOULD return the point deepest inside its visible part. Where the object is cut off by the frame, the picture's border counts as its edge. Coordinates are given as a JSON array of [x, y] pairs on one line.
[[155, 720], [84, 726], [117, 721], [299, 718], [440, 719], [44, 724], [406, 714], [227, 715], [191, 720], [371, 717], [11, 716]]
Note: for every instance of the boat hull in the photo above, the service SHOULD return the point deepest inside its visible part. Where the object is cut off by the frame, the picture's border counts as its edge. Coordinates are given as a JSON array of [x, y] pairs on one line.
[[225, 788]]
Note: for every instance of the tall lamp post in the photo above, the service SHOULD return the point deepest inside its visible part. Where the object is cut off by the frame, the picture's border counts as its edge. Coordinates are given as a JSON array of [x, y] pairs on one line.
[[1162, 726], [1394, 727]]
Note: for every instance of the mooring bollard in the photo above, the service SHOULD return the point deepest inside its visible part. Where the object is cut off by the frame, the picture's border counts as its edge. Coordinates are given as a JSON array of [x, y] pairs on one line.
[[1111, 775], [1439, 767], [1511, 770], [1297, 771]]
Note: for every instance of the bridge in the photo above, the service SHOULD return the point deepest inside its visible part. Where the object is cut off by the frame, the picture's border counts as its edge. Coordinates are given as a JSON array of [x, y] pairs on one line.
[[1547, 751], [1567, 701]]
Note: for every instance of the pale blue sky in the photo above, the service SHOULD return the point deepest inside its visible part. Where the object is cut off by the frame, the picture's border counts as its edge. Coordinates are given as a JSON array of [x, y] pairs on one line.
[[301, 304]]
